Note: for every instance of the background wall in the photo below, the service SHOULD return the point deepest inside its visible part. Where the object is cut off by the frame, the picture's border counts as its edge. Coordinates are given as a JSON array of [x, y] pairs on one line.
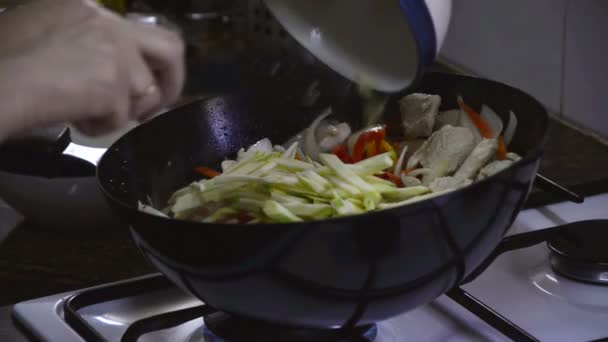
[[554, 49]]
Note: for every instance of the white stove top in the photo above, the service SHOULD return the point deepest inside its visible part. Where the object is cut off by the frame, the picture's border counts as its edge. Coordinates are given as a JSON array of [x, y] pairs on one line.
[[519, 285]]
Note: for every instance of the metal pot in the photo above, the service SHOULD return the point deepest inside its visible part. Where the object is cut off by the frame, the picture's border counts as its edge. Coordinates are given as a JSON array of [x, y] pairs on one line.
[[50, 180]]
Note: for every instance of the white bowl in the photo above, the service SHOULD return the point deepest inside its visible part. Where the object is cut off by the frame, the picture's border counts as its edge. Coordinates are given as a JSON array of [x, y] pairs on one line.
[[70, 201], [385, 44]]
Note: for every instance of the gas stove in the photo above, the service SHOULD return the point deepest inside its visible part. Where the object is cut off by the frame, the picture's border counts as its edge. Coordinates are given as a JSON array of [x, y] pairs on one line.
[[534, 290]]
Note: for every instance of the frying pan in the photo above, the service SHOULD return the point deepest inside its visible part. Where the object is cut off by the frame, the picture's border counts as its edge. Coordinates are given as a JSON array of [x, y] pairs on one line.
[[330, 273]]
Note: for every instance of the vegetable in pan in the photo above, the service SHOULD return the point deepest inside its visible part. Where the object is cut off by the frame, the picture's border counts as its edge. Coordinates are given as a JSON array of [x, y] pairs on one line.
[[329, 171]]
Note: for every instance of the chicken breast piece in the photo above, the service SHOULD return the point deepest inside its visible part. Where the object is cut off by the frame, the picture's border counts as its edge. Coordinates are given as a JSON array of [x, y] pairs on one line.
[[444, 151], [513, 156], [448, 183], [418, 114], [449, 117], [493, 168], [481, 155]]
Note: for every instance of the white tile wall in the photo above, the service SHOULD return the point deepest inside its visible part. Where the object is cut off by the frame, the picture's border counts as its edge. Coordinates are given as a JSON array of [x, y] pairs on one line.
[[586, 64], [518, 42], [557, 50]]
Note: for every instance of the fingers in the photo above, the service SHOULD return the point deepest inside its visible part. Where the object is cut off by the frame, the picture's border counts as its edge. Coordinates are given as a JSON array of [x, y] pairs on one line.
[[146, 73], [145, 94], [163, 50]]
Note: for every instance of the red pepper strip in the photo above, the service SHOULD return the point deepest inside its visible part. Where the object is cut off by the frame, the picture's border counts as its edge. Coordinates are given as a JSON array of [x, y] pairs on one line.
[[207, 172], [371, 149], [298, 156], [502, 149], [394, 178], [484, 128], [360, 146], [379, 138], [342, 152]]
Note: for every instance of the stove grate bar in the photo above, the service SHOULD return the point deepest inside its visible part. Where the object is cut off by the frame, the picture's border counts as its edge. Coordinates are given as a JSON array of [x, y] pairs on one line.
[[164, 321], [490, 316], [106, 293]]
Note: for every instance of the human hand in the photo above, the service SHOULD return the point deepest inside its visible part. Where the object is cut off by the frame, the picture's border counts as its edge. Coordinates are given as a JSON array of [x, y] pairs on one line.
[[73, 61]]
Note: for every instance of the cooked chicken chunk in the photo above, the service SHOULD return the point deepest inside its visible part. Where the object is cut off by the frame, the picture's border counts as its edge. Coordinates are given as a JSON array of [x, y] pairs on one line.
[[418, 114], [448, 183], [513, 156], [449, 117], [444, 151], [493, 168], [481, 155], [426, 175]]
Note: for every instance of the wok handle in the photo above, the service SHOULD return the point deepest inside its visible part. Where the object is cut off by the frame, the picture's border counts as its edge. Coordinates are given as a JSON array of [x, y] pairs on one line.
[[546, 184], [36, 153], [529, 239]]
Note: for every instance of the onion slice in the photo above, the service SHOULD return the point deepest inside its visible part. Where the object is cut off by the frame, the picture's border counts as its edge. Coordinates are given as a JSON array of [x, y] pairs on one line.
[[264, 146], [493, 120], [311, 148], [334, 136], [511, 127], [401, 159]]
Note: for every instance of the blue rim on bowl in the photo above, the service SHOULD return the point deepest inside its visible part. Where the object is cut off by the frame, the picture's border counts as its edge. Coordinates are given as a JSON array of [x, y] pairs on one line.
[[384, 44]]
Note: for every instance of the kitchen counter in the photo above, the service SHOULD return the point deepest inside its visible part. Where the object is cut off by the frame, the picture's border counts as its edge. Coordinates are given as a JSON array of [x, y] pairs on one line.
[[8, 330]]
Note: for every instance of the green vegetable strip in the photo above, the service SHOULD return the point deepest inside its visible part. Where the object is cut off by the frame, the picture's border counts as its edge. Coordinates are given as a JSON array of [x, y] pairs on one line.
[[345, 208], [347, 188], [264, 170], [401, 194], [294, 165], [245, 168], [369, 204], [313, 184], [279, 179], [373, 165], [349, 176], [279, 213], [186, 202], [377, 180], [284, 198], [313, 211], [178, 194], [220, 215], [249, 205], [219, 193], [230, 179], [315, 177]]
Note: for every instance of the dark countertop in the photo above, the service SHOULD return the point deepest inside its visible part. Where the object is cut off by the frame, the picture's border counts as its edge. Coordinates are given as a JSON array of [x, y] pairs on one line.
[[35, 262], [8, 331]]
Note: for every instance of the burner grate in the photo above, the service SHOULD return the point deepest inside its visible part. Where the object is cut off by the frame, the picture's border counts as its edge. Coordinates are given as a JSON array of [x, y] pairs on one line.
[[175, 318]]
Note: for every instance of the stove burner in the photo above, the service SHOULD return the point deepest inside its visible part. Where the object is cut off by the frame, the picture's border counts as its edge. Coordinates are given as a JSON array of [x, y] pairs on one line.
[[226, 328], [580, 252]]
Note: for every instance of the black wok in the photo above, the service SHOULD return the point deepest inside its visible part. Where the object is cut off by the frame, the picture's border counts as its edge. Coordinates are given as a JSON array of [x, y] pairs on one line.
[[353, 270]]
